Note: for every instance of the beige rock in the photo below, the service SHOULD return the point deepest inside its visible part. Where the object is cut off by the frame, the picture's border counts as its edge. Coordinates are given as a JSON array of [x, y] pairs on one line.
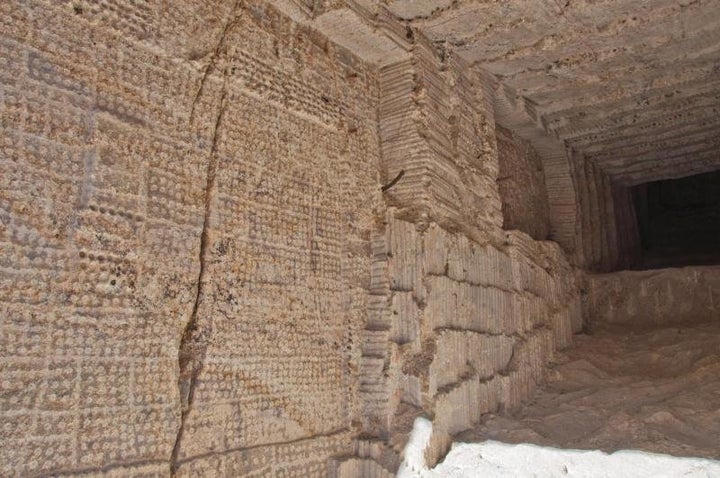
[[258, 238]]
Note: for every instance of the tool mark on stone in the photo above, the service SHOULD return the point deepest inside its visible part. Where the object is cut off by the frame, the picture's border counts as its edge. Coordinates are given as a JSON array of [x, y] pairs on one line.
[[394, 181]]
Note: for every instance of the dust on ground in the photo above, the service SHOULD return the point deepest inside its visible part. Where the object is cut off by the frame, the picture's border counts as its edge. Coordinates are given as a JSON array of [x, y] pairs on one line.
[[653, 390]]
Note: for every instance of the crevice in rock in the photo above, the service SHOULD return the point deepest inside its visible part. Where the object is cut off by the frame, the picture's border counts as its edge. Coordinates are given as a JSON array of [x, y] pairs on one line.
[[228, 451], [231, 23], [104, 470], [193, 344]]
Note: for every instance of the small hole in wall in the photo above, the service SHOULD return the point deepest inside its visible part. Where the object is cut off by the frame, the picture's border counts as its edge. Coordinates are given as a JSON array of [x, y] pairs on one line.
[[409, 34], [78, 9]]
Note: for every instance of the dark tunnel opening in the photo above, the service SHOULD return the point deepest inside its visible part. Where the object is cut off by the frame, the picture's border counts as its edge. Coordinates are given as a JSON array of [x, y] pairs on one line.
[[679, 221]]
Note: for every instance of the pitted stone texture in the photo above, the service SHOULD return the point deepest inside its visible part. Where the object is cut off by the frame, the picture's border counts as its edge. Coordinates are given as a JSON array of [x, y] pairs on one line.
[[145, 146], [200, 274]]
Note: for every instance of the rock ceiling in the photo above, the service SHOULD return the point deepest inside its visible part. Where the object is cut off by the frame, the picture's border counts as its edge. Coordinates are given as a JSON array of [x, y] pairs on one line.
[[633, 86]]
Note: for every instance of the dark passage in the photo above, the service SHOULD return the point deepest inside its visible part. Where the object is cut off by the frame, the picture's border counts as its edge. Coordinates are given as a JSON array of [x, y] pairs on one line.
[[679, 221]]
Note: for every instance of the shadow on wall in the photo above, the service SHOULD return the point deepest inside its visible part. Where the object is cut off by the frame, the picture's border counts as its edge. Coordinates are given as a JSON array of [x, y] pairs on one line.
[[679, 221], [654, 297], [521, 182]]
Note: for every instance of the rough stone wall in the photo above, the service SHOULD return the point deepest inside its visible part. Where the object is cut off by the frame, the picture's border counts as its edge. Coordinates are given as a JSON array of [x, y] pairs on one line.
[[200, 276], [608, 226], [432, 128], [464, 315], [519, 115], [470, 325], [627, 229], [521, 182], [187, 199], [646, 298]]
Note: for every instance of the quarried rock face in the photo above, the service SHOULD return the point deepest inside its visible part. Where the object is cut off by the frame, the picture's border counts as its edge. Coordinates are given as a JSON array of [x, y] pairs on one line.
[[464, 315], [461, 328], [260, 237], [521, 180], [656, 297], [187, 199]]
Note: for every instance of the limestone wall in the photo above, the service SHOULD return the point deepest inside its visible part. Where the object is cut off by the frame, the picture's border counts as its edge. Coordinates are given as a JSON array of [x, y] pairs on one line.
[[646, 298], [187, 199], [459, 328], [521, 181], [436, 126], [464, 316], [608, 227], [201, 275]]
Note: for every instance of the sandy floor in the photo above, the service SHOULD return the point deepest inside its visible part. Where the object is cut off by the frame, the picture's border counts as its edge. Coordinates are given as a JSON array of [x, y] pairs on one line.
[[656, 391]]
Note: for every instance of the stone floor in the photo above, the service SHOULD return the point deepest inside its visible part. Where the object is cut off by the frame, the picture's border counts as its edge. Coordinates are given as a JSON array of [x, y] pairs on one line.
[[653, 390]]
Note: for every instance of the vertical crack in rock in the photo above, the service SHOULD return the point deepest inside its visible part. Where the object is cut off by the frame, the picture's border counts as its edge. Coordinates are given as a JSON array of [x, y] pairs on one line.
[[194, 340], [235, 18], [193, 344]]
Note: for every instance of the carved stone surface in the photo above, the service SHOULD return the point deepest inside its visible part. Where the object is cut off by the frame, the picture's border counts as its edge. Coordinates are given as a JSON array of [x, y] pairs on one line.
[[258, 238], [185, 232]]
